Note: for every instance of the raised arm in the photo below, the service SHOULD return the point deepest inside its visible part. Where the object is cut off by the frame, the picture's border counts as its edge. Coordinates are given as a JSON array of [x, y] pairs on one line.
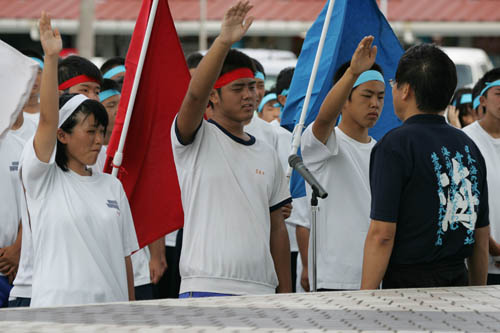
[[362, 60], [234, 26], [46, 133]]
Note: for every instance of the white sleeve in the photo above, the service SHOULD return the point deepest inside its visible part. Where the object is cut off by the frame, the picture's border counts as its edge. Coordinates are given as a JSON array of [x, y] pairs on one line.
[[301, 212], [129, 237], [185, 153], [281, 192], [314, 152], [35, 174]]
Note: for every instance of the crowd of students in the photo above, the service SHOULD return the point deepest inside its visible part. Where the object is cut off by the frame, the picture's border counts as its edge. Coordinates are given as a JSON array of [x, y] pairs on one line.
[[407, 211]]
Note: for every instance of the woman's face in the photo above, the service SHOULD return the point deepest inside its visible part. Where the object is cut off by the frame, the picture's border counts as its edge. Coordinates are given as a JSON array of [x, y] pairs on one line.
[[84, 142]]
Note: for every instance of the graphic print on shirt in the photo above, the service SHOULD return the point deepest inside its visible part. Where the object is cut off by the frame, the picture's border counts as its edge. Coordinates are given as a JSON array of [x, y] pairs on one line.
[[114, 204], [458, 193], [14, 166]]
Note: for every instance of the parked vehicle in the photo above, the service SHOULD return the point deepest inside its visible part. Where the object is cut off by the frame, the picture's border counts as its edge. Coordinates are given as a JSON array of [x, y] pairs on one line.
[[471, 64]]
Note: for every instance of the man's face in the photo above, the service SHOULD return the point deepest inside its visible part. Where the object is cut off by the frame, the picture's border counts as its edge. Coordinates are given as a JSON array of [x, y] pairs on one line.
[[366, 104], [111, 106], [261, 90], [491, 101], [270, 112], [89, 89], [237, 100]]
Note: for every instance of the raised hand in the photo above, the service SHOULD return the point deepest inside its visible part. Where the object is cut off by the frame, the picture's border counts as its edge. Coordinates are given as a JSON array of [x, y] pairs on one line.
[[50, 38], [234, 25], [364, 56]]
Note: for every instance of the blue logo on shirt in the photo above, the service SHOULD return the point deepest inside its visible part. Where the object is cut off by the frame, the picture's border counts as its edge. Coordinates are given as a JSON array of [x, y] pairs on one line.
[[113, 204], [14, 166], [458, 193]]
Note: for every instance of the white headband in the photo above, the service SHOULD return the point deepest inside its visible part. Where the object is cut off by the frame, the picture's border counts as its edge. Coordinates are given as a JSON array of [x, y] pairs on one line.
[[69, 107]]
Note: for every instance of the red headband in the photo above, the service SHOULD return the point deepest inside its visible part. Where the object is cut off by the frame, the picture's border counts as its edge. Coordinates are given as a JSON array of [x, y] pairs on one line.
[[240, 73], [76, 80]]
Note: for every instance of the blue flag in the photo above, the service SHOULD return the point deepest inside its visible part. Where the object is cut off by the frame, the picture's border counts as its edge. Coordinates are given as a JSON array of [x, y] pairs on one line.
[[351, 21]]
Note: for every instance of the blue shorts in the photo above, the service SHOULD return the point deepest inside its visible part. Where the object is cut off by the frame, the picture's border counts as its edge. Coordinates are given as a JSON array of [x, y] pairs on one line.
[[5, 288], [198, 294]]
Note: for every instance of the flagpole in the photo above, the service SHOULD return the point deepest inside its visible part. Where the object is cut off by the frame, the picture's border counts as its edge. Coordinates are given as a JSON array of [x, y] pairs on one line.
[[297, 131], [118, 158]]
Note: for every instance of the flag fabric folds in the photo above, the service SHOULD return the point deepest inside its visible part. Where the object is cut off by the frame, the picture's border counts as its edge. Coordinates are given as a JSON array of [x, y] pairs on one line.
[[148, 170], [17, 76], [351, 21]]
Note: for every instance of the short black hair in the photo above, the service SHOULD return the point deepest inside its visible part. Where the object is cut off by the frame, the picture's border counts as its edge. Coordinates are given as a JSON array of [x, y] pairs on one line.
[[284, 79], [31, 53], [343, 68], [490, 76], [430, 73], [87, 108], [465, 108], [108, 84], [73, 66], [258, 67], [193, 60], [111, 63]]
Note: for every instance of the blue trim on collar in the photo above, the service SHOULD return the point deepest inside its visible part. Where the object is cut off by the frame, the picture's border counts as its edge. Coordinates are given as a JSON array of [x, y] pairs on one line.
[[426, 118], [249, 142], [281, 204]]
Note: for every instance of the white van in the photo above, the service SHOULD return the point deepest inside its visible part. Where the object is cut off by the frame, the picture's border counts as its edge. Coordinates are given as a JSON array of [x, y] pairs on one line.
[[471, 64]]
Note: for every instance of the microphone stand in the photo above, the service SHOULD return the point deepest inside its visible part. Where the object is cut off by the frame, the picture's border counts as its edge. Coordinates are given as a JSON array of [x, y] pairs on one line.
[[314, 212]]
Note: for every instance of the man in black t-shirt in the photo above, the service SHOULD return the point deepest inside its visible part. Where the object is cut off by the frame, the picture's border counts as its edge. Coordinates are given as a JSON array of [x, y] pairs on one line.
[[429, 206]]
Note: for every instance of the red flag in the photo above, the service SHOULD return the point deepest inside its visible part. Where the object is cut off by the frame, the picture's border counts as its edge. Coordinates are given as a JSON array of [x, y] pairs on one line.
[[148, 171]]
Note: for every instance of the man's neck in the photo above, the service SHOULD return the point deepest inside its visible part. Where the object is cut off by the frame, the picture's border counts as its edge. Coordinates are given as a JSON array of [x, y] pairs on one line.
[[354, 130], [32, 106], [491, 125], [233, 127]]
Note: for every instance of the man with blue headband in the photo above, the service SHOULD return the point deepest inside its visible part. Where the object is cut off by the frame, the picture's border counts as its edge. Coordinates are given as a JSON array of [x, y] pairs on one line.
[[486, 135], [339, 158], [429, 196]]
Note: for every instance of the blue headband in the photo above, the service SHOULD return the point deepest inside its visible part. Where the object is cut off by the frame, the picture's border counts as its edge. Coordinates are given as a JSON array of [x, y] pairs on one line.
[[39, 61], [466, 98], [476, 103], [370, 75], [489, 85], [260, 75], [113, 71], [267, 98], [104, 95], [284, 92]]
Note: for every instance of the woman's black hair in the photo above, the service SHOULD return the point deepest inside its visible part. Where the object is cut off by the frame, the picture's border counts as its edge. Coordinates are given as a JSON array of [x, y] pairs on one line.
[[87, 108]]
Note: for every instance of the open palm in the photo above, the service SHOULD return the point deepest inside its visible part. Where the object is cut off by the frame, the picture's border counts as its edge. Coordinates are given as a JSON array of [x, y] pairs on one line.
[[50, 38], [234, 25], [364, 56]]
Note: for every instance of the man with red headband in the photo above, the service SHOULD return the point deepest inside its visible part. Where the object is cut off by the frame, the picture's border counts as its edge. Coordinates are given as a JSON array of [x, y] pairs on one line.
[[78, 75], [235, 240]]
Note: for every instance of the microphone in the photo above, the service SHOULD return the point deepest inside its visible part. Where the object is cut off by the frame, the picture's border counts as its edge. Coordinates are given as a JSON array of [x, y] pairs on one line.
[[295, 161]]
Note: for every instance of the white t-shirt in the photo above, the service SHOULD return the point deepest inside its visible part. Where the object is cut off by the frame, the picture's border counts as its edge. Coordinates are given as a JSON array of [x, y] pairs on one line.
[[342, 167], [229, 187], [490, 149], [171, 238], [34, 117], [140, 263], [82, 230], [22, 282], [263, 130], [10, 189]]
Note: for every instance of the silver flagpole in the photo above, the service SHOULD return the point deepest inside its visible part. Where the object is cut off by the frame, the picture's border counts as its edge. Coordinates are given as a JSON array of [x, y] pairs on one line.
[[118, 158]]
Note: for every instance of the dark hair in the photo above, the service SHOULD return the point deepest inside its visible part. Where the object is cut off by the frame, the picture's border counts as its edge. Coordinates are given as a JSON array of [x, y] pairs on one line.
[[234, 60], [490, 76], [75, 65], [465, 108], [111, 63], [258, 67], [430, 73], [87, 108], [343, 68], [284, 79], [193, 60], [31, 53], [108, 84]]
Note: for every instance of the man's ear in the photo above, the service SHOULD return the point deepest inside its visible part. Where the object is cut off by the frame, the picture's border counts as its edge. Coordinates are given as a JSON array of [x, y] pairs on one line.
[[214, 97], [407, 92], [482, 101], [62, 136]]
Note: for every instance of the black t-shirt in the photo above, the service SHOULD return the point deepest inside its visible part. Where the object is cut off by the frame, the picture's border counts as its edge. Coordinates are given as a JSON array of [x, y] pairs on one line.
[[430, 179]]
